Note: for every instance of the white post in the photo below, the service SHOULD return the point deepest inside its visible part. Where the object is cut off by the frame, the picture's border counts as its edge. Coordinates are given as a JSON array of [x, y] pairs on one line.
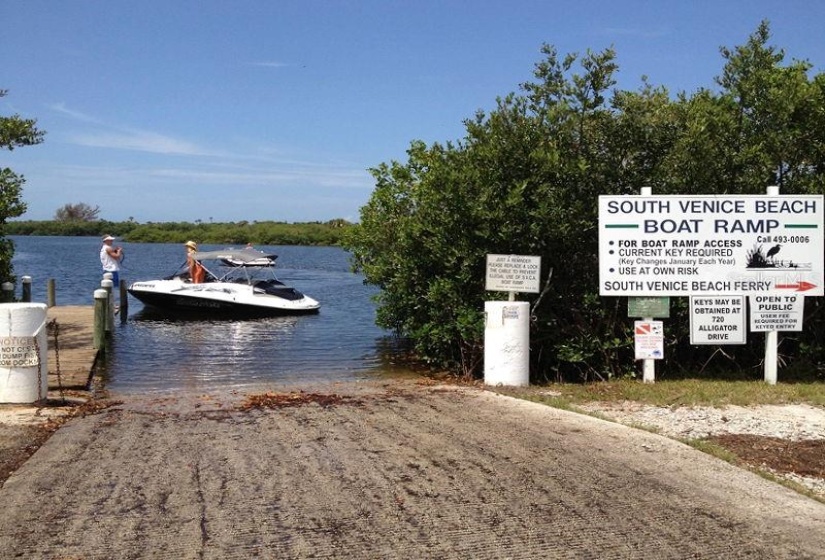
[[771, 337], [24, 372], [507, 343], [106, 284], [648, 366]]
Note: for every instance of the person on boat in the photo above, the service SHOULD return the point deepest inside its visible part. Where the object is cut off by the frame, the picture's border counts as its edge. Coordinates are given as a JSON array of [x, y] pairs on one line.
[[110, 257], [196, 271]]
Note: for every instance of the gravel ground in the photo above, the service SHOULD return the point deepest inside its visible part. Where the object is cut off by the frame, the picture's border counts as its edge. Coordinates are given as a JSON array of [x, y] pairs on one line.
[[787, 440]]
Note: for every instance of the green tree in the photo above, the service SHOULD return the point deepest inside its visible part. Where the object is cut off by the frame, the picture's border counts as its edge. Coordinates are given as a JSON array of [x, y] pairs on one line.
[[14, 132], [526, 179], [80, 212], [521, 181]]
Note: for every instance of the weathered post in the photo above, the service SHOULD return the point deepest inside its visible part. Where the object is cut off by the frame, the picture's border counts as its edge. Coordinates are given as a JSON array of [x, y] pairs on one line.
[[101, 297], [124, 300], [50, 301], [26, 282], [8, 292], [106, 284]]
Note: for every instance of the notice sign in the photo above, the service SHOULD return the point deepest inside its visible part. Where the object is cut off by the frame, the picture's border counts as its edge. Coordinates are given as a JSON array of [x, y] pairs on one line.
[[711, 245], [513, 273], [777, 313], [648, 307], [650, 340], [718, 320], [18, 351]]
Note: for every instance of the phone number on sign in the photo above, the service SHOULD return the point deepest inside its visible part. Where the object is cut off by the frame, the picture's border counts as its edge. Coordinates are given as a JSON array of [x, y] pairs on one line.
[[783, 239]]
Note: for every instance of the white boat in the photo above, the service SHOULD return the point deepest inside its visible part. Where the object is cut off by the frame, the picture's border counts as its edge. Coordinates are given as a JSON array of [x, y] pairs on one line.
[[243, 285]]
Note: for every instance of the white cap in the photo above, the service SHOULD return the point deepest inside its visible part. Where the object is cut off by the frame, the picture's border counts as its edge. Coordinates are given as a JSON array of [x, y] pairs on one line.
[[108, 238]]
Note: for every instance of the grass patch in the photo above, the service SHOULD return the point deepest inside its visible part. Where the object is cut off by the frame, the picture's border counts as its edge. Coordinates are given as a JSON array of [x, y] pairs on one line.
[[712, 448], [675, 393]]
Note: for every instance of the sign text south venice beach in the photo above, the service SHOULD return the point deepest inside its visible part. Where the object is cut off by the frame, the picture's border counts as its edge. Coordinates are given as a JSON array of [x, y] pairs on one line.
[[701, 245]]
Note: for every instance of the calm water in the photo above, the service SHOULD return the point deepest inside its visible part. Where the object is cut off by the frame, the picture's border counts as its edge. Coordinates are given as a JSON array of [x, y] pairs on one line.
[[154, 353]]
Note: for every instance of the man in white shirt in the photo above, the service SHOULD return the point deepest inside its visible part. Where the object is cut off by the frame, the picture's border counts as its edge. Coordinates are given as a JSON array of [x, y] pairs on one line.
[[110, 258]]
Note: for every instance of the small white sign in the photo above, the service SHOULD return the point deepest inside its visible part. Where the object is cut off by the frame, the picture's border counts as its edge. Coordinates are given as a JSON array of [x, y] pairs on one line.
[[718, 320], [650, 340], [777, 313], [513, 273]]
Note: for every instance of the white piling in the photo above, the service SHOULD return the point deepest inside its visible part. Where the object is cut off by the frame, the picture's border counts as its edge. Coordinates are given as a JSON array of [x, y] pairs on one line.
[[24, 371], [507, 343]]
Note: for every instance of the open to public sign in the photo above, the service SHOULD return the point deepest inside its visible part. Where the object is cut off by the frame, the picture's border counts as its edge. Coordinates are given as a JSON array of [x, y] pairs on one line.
[[711, 245], [513, 273], [718, 320], [777, 312]]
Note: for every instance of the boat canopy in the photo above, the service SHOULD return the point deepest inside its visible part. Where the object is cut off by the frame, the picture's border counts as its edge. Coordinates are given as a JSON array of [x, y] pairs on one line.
[[241, 255]]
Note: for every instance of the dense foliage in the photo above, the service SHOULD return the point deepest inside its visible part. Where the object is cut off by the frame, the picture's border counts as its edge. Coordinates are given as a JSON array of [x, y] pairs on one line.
[[526, 179], [14, 132], [232, 233]]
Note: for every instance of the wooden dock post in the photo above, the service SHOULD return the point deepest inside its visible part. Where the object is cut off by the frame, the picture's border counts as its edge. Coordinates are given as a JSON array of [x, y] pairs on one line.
[[50, 301], [101, 297], [8, 292], [124, 300], [106, 284], [26, 283]]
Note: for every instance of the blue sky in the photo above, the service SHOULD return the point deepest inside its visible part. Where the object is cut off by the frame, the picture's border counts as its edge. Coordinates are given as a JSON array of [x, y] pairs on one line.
[[185, 110]]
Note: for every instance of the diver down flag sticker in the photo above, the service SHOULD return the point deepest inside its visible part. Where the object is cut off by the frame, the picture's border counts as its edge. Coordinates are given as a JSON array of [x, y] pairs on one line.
[[650, 340]]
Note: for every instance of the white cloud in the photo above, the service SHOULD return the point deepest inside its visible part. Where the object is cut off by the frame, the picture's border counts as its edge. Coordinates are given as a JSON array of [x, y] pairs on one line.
[[123, 138], [138, 140], [77, 115], [271, 64]]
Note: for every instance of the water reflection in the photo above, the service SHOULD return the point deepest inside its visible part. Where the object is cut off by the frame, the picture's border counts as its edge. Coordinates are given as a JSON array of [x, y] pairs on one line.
[[161, 352]]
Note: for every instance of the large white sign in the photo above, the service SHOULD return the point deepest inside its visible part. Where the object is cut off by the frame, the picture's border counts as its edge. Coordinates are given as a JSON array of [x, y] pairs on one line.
[[718, 320], [513, 273], [711, 245], [777, 313]]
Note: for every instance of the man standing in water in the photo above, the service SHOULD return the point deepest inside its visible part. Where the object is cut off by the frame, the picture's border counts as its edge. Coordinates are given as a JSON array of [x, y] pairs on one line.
[[110, 258]]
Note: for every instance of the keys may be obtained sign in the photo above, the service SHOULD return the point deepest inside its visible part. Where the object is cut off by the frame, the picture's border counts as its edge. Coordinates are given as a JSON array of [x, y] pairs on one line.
[[717, 320], [513, 273]]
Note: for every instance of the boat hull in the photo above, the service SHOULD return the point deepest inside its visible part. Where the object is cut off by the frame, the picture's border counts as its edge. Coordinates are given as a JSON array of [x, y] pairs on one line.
[[217, 300]]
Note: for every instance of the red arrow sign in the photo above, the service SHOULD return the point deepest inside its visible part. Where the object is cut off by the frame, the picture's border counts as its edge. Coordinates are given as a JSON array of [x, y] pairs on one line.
[[800, 286]]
